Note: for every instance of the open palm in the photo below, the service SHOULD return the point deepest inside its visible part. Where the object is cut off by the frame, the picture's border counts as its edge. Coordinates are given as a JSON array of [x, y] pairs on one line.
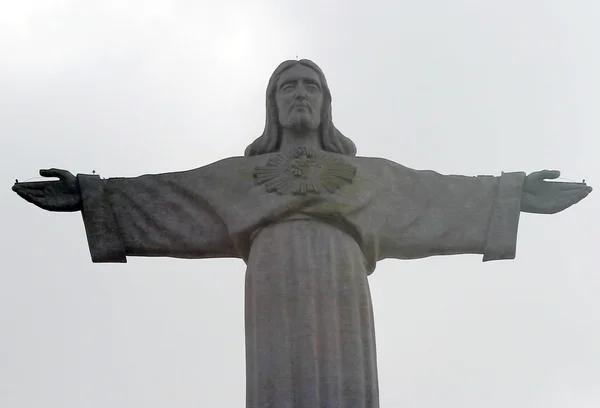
[[545, 197], [61, 195]]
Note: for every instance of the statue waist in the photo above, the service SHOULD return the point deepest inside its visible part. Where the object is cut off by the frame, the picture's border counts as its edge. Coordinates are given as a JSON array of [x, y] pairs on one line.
[[335, 222]]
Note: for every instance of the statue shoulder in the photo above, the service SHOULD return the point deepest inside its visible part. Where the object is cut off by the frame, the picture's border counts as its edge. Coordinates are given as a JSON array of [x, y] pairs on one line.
[[230, 167], [379, 167], [225, 174]]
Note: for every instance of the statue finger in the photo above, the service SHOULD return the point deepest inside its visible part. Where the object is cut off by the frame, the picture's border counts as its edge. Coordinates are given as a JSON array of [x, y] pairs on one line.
[[572, 186], [33, 197], [580, 192], [573, 198], [20, 188], [585, 191], [545, 174], [32, 185], [59, 173]]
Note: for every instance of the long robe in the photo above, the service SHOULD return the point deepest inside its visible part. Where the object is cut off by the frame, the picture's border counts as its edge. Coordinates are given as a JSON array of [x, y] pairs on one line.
[[310, 337]]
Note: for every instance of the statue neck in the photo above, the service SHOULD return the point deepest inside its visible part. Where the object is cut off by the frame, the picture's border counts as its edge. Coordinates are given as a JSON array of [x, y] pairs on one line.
[[291, 138]]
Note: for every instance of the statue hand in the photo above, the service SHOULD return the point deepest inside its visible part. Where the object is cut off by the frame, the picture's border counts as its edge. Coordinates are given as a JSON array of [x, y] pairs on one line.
[[61, 195], [543, 197]]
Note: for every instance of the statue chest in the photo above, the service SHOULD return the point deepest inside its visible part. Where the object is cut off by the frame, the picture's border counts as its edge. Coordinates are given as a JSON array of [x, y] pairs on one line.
[[304, 171], [275, 186]]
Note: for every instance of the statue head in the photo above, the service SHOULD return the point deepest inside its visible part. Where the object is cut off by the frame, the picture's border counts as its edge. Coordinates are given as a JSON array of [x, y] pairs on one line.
[[311, 111]]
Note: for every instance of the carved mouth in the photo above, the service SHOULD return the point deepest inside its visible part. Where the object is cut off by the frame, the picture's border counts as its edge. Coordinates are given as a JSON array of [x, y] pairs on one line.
[[298, 106]]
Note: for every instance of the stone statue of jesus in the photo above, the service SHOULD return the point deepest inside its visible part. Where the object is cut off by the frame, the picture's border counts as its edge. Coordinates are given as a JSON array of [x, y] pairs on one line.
[[311, 220]]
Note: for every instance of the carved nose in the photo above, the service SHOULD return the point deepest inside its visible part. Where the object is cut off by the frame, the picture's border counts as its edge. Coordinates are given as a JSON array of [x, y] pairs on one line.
[[301, 92]]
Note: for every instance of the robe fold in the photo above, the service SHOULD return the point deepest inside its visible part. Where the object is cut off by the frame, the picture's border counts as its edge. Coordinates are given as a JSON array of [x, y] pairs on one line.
[[310, 337]]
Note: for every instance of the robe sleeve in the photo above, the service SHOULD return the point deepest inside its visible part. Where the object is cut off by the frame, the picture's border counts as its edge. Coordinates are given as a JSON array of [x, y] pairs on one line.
[[151, 215], [427, 214]]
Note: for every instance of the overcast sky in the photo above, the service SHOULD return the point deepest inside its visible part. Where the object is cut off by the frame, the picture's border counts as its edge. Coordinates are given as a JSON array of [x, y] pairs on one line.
[[463, 87]]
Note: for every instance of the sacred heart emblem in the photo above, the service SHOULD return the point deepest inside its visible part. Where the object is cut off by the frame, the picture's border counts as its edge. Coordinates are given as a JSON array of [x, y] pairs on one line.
[[304, 171]]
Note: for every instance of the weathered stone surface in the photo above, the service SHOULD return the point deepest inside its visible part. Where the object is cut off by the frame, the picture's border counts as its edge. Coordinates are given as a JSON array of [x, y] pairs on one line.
[[311, 221], [310, 339]]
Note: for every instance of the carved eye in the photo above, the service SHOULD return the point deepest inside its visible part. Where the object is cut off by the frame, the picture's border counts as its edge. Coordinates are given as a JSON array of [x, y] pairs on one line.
[[312, 88], [288, 88]]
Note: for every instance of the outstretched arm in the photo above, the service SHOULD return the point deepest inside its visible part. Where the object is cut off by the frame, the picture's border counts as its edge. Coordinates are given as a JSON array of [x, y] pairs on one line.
[[432, 214], [151, 215]]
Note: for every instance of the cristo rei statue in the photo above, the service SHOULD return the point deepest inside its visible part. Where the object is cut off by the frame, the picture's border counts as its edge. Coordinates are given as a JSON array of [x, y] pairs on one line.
[[310, 219]]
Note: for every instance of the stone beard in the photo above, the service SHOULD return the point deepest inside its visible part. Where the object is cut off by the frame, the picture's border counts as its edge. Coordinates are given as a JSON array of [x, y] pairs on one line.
[[300, 119]]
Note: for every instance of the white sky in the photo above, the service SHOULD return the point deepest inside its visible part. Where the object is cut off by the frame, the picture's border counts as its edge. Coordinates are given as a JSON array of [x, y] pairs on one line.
[[464, 87]]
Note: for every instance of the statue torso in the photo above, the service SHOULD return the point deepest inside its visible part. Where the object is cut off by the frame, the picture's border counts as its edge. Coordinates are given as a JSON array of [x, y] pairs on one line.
[[249, 193]]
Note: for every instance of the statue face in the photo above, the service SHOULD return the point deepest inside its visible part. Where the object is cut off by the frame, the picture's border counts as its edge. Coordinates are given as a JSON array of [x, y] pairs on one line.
[[299, 98]]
